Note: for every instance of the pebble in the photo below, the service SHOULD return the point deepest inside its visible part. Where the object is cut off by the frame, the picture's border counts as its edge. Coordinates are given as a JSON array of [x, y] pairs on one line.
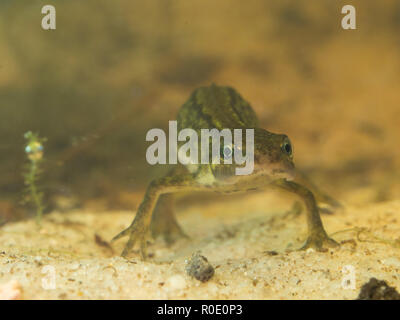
[[176, 282], [199, 268]]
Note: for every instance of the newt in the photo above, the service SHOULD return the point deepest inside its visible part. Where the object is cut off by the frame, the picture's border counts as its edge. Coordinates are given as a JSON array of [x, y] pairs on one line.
[[223, 107]]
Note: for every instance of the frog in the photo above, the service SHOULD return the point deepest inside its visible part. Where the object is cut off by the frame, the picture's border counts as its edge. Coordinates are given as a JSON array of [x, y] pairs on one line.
[[222, 107]]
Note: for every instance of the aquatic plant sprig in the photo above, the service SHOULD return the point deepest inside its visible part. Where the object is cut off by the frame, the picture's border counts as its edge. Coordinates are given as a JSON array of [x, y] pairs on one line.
[[34, 150]]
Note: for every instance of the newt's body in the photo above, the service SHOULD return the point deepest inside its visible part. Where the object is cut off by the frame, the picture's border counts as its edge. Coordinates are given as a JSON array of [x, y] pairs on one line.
[[223, 108]]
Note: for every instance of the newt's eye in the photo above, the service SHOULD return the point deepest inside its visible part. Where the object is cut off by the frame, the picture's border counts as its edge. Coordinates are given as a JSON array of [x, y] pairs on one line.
[[227, 152], [287, 147]]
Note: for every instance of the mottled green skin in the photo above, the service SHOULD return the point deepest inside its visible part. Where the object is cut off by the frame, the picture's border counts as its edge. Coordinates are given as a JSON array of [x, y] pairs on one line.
[[216, 107], [222, 108]]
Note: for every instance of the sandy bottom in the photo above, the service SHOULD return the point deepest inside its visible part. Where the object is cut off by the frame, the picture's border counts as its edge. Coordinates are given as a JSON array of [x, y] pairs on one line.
[[253, 249]]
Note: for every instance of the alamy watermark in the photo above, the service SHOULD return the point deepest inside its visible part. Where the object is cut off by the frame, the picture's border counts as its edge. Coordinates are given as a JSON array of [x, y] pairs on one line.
[[348, 21], [189, 152], [49, 20], [49, 280], [349, 277]]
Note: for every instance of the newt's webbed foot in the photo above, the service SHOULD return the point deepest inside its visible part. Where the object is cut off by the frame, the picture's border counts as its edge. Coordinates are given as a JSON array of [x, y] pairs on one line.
[[319, 241], [138, 233], [170, 231], [164, 222]]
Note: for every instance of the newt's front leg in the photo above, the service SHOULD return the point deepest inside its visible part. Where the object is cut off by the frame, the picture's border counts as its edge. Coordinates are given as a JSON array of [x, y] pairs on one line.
[[139, 230], [320, 196], [317, 236]]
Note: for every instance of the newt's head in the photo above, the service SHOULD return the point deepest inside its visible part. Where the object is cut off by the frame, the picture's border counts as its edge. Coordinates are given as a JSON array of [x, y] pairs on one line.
[[266, 155], [273, 155]]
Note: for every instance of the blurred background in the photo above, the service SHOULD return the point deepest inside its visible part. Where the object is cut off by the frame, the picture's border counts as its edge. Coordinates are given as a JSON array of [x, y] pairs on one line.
[[112, 70]]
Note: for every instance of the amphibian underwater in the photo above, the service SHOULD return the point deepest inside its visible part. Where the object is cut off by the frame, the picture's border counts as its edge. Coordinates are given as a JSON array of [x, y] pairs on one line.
[[224, 108]]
